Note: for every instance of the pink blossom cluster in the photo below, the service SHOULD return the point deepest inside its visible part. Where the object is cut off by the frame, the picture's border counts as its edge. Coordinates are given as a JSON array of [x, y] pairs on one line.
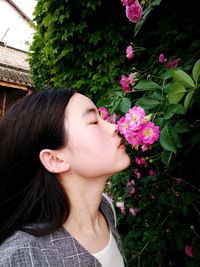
[[170, 64], [104, 113], [130, 187], [142, 162], [133, 211], [137, 129], [127, 83], [133, 10]]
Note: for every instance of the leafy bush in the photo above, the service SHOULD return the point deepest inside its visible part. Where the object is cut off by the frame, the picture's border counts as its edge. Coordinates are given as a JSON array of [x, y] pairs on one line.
[[157, 197], [158, 200]]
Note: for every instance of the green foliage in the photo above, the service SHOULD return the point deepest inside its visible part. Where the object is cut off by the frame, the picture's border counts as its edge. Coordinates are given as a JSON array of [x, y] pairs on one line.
[[168, 207], [74, 47]]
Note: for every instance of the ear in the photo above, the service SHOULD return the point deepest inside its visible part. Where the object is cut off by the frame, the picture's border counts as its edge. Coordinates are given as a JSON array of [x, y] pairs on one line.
[[53, 162]]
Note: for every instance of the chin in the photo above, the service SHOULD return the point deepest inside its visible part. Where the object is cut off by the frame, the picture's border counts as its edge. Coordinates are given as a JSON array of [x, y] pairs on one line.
[[126, 164]]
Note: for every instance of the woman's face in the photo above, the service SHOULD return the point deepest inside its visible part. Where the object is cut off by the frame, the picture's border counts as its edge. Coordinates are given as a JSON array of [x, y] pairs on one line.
[[93, 148]]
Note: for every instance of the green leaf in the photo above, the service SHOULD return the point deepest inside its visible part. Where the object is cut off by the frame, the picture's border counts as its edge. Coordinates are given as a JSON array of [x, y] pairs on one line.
[[157, 95], [176, 93], [146, 13], [146, 85], [182, 126], [166, 157], [196, 71], [147, 103], [156, 2], [168, 74], [173, 109], [188, 100], [125, 105], [169, 138], [139, 24], [180, 109], [182, 77]]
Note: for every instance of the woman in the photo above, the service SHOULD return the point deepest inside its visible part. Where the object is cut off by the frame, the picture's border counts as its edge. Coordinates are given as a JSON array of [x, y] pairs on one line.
[[57, 154]]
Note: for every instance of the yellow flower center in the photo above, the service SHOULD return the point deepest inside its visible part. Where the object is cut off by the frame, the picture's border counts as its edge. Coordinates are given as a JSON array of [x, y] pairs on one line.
[[134, 118], [148, 132]]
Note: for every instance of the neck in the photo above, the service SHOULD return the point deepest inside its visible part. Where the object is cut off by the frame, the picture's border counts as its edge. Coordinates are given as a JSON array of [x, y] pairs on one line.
[[85, 197]]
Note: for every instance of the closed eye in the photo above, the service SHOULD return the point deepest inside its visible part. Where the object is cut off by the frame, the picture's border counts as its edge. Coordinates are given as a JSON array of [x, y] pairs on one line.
[[94, 122]]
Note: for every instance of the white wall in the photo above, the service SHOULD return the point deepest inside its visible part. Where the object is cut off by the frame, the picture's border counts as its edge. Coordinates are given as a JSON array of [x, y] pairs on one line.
[[27, 6], [19, 30]]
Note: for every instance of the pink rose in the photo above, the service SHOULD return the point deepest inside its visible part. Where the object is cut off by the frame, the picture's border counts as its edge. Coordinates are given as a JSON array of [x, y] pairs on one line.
[[133, 211], [127, 2], [129, 52], [103, 113], [125, 83], [134, 11], [162, 58], [173, 63], [188, 251]]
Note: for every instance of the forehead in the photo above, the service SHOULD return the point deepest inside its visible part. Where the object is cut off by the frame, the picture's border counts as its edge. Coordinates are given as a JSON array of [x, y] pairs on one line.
[[78, 105]]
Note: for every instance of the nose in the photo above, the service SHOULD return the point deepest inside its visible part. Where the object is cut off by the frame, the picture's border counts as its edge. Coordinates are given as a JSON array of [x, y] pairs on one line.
[[113, 128]]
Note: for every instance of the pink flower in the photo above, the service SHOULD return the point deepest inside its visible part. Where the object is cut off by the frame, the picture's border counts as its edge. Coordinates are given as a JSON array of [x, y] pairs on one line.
[[151, 173], [132, 78], [188, 250], [127, 2], [103, 113], [144, 148], [135, 117], [137, 129], [125, 84], [132, 191], [133, 211], [178, 180], [129, 52], [134, 11], [137, 173], [130, 183], [112, 118], [120, 205], [132, 138], [162, 58], [141, 161], [173, 63], [149, 133], [122, 125]]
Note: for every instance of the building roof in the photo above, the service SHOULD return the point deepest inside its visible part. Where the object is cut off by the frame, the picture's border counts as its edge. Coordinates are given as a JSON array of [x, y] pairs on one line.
[[14, 77], [14, 68]]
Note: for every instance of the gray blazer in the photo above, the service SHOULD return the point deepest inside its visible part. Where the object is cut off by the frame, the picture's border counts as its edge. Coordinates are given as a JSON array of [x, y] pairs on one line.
[[58, 249]]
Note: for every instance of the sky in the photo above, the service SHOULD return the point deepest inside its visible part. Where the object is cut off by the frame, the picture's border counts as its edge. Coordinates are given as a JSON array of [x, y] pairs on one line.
[[27, 6]]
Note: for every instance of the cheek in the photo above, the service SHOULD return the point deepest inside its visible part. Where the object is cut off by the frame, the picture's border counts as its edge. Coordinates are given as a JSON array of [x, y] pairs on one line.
[[93, 156], [94, 148]]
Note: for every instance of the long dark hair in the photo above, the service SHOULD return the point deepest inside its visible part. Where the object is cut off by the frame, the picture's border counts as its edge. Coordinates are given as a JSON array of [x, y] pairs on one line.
[[29, 194]]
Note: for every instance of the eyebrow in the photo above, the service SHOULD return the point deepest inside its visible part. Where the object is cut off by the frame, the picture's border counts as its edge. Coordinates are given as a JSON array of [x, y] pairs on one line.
[[89, 111]]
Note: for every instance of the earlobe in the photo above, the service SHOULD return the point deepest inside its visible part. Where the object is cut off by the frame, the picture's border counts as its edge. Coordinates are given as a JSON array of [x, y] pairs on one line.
[[52, 162]]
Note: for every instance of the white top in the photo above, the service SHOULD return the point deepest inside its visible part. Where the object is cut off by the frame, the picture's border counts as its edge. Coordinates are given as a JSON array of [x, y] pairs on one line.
[[110, 255]]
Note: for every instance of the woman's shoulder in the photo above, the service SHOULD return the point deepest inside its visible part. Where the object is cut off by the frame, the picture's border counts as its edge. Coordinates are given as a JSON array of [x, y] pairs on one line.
[[19, 249], [16, 240]]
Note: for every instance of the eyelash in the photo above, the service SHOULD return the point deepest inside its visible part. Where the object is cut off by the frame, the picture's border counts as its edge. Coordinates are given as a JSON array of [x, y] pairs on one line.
[[94, 122]]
